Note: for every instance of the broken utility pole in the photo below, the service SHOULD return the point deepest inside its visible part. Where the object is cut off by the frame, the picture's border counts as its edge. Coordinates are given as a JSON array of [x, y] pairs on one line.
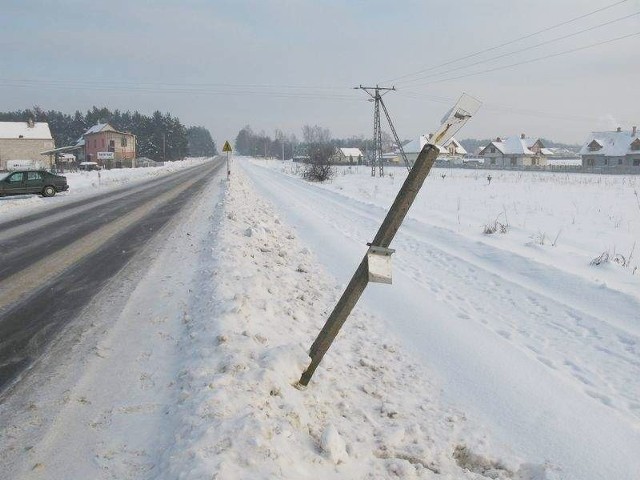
[[453, 121]]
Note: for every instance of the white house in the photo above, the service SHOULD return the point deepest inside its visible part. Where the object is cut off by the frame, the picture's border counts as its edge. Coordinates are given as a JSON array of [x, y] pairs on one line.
[[24, 141], [451, 150], [609, 149], [515, 151], [348, 156]]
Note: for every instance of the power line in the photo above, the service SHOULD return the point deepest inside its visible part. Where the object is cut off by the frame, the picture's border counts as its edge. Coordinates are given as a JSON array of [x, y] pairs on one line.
[[479, 52], [501, 108], [531, 60], [523, 49]]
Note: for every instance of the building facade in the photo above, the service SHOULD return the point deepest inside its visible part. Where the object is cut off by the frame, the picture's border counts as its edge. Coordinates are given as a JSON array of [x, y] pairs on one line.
[[347, 156], [102, 139], [24, 141], [612, 149], [519, 151]]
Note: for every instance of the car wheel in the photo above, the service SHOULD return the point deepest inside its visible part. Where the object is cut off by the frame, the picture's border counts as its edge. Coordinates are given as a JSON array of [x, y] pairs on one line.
[[48, 191]]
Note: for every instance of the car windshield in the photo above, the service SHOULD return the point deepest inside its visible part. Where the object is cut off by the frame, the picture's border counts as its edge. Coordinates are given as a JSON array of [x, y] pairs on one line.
[[4, 175]]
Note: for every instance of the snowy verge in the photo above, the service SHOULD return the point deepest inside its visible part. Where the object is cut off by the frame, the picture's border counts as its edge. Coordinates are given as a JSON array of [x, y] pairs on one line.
[[369, 412]]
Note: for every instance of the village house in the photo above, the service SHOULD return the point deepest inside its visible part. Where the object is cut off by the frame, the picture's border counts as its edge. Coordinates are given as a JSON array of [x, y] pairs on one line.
[[21, 144], [515, 152], [104, 145], [348, 156], [451, 151], [102, 139], [612, 149], [454, 149]]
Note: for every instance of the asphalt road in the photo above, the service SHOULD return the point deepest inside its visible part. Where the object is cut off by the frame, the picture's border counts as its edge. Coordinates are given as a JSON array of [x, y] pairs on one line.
[[53, 263]]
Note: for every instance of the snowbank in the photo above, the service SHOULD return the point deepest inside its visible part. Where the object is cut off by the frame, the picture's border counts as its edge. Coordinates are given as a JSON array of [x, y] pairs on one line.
[[370, 410]]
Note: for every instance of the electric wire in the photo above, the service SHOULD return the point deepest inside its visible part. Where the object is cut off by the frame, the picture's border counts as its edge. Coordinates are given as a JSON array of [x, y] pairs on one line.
[[524, 37], [547, 42], [537, 59]]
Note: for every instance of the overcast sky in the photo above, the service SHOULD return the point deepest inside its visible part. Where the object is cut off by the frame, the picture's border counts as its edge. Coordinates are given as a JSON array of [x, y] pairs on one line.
[[285, 63]]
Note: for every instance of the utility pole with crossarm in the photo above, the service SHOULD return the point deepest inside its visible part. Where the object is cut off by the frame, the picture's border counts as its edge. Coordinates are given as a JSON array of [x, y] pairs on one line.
[[376, 157]]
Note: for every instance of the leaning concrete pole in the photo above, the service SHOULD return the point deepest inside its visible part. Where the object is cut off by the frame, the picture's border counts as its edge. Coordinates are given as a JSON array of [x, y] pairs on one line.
[[383, 238]]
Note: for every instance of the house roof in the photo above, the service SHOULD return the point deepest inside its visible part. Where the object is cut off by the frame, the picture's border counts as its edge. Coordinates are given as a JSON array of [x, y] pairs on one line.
[[613, 144], [460, 149], [351, 152], [39, 131], [415, 146], [498, 145], [516, 146], [99, 127]]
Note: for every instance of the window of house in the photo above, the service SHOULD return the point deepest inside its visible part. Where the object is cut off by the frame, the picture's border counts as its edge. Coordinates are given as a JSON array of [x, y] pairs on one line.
[[123, 141], [493, 161], [636, 163], [103, 142], [95, 143], [493, 149], [513, 161], [619, 161]]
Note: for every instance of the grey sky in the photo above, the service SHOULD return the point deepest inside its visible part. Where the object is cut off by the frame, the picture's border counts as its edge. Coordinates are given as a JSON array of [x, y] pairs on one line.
[[281, 64]]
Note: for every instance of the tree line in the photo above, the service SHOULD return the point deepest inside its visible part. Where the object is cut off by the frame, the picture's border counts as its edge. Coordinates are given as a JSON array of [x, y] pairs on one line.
[[159, 136], [288, 146]]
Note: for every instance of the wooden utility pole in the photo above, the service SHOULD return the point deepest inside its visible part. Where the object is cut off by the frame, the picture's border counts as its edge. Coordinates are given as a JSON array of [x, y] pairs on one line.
[[453, 121], [383, 238]]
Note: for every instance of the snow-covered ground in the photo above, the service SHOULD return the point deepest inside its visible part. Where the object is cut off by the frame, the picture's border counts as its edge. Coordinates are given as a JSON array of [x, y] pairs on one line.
[[522, 332], [491, 356], [86, 184]]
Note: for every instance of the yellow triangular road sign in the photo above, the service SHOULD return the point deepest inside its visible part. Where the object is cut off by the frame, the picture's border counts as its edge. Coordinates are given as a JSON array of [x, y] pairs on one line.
[[227, 147]]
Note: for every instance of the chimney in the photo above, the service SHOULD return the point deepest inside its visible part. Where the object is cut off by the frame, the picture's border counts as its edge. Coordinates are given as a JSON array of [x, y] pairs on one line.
[[634, 131], [522, 136], [498, 139], [30, 123], [619, 129]]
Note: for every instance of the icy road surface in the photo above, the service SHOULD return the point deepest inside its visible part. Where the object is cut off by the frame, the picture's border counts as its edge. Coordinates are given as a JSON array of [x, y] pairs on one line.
[[527, 338]]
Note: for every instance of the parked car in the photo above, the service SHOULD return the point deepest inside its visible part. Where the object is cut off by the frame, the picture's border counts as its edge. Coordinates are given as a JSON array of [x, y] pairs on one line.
[[88, 166], [32, 181]]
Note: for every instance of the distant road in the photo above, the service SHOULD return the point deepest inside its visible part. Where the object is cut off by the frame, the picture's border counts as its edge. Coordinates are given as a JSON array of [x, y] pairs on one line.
[[52, 263]]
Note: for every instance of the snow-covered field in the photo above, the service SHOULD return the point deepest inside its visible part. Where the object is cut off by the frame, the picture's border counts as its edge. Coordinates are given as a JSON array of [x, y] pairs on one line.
[[522, 332], [86, 184], [502, 355]]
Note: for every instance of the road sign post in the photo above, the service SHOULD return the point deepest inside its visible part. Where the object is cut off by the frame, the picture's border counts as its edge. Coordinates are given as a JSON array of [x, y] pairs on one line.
[[227, 148], [453, 121]]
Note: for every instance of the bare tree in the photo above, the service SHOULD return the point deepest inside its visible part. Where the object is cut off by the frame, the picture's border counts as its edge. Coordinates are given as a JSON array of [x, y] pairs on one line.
[[315, 134], [319, 168]]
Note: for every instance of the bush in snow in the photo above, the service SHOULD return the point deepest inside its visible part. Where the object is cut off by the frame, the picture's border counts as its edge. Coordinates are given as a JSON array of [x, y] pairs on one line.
[[319, 168], [495, 226]]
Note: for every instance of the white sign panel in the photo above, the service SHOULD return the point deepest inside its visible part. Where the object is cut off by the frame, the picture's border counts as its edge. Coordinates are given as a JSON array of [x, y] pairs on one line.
[[454, 120], [106, 155], [379, 264]]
